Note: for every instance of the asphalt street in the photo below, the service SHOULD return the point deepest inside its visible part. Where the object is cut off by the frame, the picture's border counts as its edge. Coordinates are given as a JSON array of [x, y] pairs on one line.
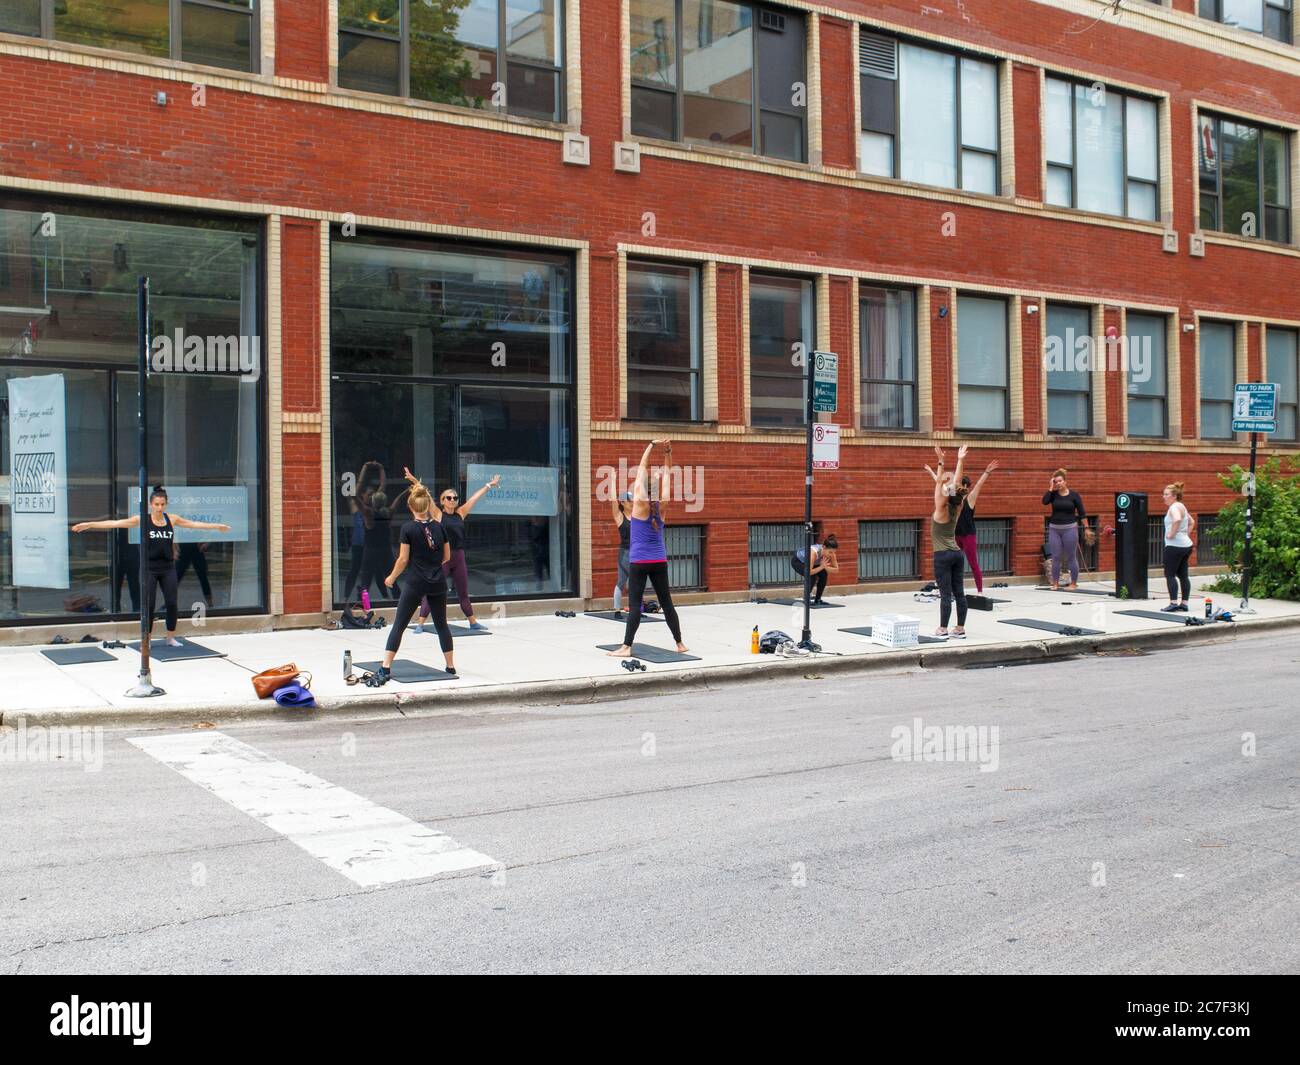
[[1131, 814]]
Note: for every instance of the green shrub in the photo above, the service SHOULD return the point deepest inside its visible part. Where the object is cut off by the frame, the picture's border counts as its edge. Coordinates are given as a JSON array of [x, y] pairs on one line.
[[1275, 551]]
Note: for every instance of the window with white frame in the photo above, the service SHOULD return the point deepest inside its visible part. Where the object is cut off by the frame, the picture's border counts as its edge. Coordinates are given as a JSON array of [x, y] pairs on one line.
[[1272, 18], [1068, 352], [215, 33], [663, 341], [928, 116], [1148, 380], [1245, 178], [983, 364], [1102, 150], [503, 55], [1218, 372], [781, 337], [1284, 370], [888, 346], [721, 73]]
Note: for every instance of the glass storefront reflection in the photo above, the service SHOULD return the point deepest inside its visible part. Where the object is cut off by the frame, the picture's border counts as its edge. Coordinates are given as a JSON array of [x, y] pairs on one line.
[[455, 362], [68, 336]]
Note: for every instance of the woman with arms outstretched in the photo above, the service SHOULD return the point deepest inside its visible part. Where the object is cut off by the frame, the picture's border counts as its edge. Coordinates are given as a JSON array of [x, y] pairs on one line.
[[160, 545], [648, 558]]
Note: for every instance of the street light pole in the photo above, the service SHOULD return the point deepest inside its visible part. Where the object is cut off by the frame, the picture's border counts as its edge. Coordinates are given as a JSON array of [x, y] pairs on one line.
[[144, 687]]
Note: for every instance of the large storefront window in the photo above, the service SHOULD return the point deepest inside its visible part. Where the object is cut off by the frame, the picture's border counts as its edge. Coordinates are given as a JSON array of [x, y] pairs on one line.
[[456, 362], [68, 406]]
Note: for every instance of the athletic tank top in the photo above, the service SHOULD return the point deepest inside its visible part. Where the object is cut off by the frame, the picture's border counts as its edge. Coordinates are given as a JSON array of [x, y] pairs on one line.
[[425, 540], [161, 538], [943, 534], [454, 526], [647, 538], [624, 534], [1181, 537], [966, 521]]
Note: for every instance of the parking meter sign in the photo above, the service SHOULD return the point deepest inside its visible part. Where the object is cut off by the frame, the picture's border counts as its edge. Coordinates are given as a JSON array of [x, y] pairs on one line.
[[1254, 408], [826, 375]]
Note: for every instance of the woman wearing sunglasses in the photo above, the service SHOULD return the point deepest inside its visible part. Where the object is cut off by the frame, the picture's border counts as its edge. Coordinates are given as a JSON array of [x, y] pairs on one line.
[[424, 548], [453, 518]]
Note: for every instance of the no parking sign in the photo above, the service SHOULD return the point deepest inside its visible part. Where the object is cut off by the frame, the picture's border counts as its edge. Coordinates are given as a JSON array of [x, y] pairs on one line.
[[826, 447]]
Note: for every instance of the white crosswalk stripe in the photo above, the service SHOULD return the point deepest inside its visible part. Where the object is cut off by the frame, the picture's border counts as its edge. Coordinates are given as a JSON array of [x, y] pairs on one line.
[[367, 843]]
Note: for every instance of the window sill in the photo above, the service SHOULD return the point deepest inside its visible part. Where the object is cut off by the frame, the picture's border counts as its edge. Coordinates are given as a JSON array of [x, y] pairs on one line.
[[670, 426], [488, 119], [65, 51], [988, 434], [704, 151], [1231, 240], [1072, 213]]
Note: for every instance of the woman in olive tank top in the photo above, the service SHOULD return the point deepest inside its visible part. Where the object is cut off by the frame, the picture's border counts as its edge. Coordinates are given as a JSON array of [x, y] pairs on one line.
[[949, 561]]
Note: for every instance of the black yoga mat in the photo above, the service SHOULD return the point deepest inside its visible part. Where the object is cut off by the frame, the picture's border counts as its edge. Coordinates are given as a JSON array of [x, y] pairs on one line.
[[792, 602], [657, 655], [983, 602], [608, 615], [407, 672], [75, 656], [1050, 626], [457, 631], [161, 651], [865, 630], [1179, 618]]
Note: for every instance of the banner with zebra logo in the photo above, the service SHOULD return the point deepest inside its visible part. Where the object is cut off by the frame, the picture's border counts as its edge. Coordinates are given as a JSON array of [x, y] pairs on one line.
[[38, 464]]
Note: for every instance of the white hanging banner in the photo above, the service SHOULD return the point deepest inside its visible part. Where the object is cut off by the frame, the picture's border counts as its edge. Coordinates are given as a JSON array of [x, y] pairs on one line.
[[38, 468]]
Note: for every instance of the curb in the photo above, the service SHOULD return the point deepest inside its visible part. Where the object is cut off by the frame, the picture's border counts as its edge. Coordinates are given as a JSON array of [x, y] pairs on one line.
[[581, 690]]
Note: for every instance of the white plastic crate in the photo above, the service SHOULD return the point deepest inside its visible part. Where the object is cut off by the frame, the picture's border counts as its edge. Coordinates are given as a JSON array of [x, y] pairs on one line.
[[895, 630]]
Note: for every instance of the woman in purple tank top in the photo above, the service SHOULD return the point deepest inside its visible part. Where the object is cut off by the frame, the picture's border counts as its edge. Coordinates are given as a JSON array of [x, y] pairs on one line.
[[648, 559]]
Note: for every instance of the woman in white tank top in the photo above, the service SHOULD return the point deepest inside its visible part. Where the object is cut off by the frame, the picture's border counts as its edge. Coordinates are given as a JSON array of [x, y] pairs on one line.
[[1178, 548]]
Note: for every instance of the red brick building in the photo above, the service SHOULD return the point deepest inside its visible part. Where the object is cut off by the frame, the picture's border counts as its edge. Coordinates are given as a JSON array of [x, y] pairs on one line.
[[475, 236]]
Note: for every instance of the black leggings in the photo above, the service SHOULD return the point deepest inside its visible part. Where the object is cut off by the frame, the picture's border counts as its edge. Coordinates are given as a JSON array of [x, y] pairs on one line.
[[193, 555], [168, 581], [819, 578], [412, 592], [1176, 559], [950, 576], [657, 574]]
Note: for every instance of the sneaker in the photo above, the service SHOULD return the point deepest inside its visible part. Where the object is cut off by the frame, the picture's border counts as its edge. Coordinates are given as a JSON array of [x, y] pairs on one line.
[[449, 670], [1182, 607], [940, 634], [957, 635], [478, 626], [1172, 608], [417, 627]]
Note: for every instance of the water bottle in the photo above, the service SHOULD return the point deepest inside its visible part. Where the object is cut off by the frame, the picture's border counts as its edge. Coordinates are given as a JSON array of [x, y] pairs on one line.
[[753, 641], [365, 598], [347, 664], [1209, 608]]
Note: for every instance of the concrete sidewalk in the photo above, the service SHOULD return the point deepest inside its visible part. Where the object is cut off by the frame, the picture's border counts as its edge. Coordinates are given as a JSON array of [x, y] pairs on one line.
[[552, 659]]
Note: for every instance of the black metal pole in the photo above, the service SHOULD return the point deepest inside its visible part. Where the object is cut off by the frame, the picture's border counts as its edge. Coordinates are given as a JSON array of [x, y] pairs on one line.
[[806, 638], [1250, 527], [144, 686]]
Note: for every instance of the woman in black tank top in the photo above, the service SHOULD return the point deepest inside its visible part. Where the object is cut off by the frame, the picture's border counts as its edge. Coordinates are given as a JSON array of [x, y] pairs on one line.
[[453, 517], [160, 550], [425, 550]]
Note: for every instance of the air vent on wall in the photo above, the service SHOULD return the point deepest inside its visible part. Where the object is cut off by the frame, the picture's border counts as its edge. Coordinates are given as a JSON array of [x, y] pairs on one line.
[[771, 20], [877, 55]]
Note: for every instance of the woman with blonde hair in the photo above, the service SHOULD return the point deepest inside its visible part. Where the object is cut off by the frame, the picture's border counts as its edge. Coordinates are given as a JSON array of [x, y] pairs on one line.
[[1067, 518], [1178, 548], [425, 549]]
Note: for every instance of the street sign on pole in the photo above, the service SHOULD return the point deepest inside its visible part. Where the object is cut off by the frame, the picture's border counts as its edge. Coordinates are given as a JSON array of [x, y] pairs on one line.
[[1254, 408], [826, 447], [826, 377]]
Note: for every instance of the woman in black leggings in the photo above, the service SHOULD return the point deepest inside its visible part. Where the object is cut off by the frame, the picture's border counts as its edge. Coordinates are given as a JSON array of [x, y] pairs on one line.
[[1178, 548], [949, 561], [161, 550], [646, 552], [424, 547]]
